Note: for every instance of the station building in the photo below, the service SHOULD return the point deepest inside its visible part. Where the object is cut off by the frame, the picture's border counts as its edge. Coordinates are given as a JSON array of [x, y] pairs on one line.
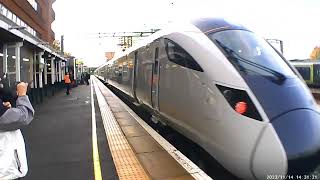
[[26, 52]]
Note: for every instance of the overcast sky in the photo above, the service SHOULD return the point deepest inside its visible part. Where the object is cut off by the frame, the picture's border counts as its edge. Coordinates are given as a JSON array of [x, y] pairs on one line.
[[296, 22]]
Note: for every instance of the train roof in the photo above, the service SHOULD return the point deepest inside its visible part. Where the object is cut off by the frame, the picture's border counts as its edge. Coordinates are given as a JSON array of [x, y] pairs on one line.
[[208, 25], [304, 62], [200, 25]]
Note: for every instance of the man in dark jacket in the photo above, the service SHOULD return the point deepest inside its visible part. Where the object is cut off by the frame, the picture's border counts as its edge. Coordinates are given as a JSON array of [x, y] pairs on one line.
[[86, 78]]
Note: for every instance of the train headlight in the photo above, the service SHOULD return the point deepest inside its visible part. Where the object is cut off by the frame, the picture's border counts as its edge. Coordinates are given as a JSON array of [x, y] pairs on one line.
[[241, 107], [240, 101]]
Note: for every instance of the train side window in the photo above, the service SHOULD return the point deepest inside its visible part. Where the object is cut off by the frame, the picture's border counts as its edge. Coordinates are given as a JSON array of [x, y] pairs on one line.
[[179, 56], [156, 55], [304, 72], [156, 60]]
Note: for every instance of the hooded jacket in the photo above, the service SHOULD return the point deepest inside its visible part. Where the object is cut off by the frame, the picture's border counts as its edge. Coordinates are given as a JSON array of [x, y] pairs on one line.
[[13, 161]]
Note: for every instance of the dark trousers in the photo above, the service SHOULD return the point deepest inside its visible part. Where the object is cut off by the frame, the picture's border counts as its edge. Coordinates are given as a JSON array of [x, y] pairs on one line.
[[68, 86]]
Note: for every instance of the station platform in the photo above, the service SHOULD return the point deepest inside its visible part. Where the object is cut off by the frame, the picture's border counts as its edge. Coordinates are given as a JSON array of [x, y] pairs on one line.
[[92, 134]]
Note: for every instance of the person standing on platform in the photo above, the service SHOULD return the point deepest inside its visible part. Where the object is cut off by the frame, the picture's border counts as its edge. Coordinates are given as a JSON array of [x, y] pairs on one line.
[[13, 160], [67, 82], [82, 79], [86, 78]]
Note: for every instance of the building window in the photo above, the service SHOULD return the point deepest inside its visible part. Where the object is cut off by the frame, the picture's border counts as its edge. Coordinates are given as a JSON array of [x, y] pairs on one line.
[[23, 24], [14, 18], [18, 21], [1, 59], [4, 10], [9, 15], [34, 4]]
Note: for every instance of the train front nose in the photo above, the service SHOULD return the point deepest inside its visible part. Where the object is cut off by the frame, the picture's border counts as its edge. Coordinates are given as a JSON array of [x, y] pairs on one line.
[[299, 133]]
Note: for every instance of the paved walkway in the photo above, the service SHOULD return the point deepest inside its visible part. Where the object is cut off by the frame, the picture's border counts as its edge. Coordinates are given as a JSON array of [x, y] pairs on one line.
[[59, 139]]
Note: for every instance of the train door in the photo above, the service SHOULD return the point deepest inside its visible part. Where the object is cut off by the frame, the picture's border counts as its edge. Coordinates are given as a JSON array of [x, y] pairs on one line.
[[135, 72], [155, 76]]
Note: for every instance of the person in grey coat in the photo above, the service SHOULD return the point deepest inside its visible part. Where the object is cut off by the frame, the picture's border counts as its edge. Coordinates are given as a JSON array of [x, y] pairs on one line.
[[21, 115]]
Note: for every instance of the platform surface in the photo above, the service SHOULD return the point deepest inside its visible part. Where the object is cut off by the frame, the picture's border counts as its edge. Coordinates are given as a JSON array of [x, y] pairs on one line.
[[59, 139], [71, 139]]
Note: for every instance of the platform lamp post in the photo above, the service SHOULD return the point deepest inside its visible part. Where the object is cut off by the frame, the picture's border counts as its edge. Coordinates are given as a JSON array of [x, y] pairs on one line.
[[75, 69], [53, 77], [41, 69], [17, 47], [45, 73]]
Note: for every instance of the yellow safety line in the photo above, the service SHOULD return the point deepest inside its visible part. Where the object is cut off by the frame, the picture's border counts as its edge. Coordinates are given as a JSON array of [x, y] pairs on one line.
[[95, 149]]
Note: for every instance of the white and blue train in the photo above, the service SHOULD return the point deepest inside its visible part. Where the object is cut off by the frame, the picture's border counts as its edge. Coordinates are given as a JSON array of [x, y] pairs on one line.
[[227, 90]]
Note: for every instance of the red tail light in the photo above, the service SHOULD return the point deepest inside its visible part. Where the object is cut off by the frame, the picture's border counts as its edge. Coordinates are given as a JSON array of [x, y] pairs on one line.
[[240, 102], [241, 107]]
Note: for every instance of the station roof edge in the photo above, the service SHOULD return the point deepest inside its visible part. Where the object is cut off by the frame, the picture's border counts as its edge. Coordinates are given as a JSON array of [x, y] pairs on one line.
[[24, 37]]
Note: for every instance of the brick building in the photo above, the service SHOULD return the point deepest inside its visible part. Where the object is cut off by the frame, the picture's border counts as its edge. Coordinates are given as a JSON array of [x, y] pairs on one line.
[[26, 52], [36, 15]]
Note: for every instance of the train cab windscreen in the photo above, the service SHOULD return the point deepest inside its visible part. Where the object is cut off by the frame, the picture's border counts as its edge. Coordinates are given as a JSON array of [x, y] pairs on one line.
[[250, 54], [264, 70]]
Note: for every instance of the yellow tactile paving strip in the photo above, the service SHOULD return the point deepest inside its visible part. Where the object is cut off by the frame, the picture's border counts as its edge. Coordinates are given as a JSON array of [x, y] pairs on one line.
[[126, 162]]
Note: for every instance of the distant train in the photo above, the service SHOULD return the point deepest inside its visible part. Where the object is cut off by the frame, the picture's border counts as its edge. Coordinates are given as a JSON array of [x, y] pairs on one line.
[[310, 71], [227, 90]]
